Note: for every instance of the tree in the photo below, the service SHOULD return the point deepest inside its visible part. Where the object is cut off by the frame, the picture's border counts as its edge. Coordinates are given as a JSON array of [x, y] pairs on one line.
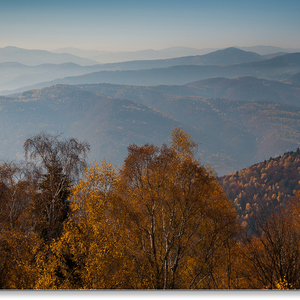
[[14, 196], [88, 255], [160, 222], [183, 144], [177, 220], [58, 166], [17, 241], [273, 253]]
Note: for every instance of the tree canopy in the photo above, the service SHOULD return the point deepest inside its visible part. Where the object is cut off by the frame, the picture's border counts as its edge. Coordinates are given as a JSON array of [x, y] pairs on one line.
[[159, 221]]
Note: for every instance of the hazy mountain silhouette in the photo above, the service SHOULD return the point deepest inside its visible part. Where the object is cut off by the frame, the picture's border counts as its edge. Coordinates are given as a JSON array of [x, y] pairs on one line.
[[265, 50], [122, 56], [15, 75], [272, 55], [221, 63], [37, 57], [172, 52], [226, 56], [279, 67]]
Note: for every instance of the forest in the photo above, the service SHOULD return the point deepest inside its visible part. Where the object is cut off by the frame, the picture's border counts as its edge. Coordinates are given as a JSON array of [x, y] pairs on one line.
[[162, 220], [269, 183]]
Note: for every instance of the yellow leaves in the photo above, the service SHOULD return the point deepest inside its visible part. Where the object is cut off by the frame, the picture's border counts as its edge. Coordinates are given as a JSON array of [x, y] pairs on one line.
[[162, 221], [97, 177], [175, 211], [182, 143], [93, 193], [16, 267], [283, 285], [87, 253]]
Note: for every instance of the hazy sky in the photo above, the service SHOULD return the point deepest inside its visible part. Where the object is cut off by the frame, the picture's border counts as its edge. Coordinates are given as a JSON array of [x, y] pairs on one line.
[[116, 25]]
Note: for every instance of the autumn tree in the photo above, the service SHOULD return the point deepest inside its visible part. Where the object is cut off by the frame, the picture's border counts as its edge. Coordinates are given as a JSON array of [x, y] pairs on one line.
[[160, 222], [88, 255], [58, 166], [177, 220], [273, 253], [14, 197], [16, 237]]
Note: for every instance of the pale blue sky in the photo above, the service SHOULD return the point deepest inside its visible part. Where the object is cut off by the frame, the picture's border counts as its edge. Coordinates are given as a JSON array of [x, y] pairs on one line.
[[116, 25]]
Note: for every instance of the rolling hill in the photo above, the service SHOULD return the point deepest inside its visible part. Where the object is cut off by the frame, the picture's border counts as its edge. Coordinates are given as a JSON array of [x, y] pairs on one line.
[[243, 132], [248, 89], [232, 134], [108, 124]]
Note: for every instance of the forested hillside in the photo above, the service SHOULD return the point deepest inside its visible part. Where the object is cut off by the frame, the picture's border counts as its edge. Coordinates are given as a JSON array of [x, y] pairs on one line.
[[241, 132], [233, 134], [270, 183]]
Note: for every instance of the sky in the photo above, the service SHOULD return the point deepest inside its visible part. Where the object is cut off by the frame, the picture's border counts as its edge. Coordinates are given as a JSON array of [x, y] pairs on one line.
[[116, 25]]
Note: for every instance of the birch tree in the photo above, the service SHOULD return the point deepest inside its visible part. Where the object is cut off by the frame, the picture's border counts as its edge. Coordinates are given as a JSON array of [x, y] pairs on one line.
[[59, 163], [177, 217]]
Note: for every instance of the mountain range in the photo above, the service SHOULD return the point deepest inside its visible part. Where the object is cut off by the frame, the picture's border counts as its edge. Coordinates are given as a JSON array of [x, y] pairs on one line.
[[281, 67], [229, 62], [123, 56], [242, 107], [172, 52], [14, 75]]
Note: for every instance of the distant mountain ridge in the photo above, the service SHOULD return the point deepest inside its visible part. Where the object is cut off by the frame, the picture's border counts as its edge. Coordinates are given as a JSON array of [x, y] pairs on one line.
[[147, 54], [14, 75], [279, 67], [172, 52], [38, 57], [265, 50], [229, 62], [227, 56]]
